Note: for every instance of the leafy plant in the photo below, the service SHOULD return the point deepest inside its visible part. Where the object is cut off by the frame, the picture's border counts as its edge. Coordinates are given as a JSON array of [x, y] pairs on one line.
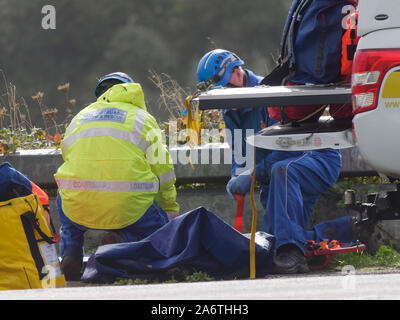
[[17, 130], [129, 282], [198, 276]]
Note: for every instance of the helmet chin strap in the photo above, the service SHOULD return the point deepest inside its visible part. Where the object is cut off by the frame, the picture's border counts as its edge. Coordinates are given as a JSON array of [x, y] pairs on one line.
[[245, 78], [230, 85]]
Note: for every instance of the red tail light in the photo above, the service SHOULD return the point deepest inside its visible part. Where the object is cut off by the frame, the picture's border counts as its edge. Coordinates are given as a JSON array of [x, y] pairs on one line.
[[369, 69]]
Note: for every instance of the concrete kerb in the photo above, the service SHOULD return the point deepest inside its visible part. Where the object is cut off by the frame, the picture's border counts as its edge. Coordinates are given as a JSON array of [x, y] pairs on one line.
[[212, 163]]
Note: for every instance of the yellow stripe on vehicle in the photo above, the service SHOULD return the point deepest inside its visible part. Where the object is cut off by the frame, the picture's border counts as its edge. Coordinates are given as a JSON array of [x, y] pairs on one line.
[[391, 89]]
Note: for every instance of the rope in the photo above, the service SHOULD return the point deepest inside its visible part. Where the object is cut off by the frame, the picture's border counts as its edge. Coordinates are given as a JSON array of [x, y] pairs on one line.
[[312, 114], [323, 123], [253, 223]]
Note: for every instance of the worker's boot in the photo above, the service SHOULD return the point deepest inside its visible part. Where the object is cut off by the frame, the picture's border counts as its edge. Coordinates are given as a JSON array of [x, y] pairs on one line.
[[368, 233], [71, 268], [111, 237], [290, 259]]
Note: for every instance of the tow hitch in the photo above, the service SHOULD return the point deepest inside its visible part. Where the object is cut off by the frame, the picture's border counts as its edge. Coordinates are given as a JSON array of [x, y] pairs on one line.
[[377, 207]]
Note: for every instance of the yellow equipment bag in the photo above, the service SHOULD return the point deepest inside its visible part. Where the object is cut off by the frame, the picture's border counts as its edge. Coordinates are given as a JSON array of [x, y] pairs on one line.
[[28, 254]]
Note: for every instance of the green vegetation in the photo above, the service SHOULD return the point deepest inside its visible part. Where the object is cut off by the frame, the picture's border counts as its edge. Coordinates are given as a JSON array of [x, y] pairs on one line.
[[17, 129], [10, 140], [386, 257], [185, 276], [199, 276]]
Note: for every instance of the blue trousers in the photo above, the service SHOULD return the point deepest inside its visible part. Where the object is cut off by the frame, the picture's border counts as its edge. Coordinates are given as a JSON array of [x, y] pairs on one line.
[[297, 179], [72, 234]]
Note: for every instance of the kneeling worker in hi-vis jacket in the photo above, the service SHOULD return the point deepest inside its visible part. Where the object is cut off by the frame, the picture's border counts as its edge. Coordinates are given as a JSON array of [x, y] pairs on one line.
[[116, 176]]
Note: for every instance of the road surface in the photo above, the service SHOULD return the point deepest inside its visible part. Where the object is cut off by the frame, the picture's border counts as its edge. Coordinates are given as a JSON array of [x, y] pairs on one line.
[[344, 285]]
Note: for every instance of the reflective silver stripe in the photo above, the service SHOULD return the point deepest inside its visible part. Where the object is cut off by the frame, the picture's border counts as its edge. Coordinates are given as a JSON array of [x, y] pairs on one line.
[[168, 176], [93, 185], [71, 126], [133, 137], [105, 132], [138, 128]]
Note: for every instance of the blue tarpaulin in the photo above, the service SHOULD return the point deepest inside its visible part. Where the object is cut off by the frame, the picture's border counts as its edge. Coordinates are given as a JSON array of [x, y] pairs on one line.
[[197, 240]]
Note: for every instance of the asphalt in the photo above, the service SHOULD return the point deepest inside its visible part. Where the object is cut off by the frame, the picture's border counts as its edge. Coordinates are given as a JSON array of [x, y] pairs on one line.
[[346, 285]]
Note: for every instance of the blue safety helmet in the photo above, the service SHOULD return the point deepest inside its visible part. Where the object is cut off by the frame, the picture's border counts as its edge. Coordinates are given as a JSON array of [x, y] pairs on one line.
[[216, 67], [117, 77]]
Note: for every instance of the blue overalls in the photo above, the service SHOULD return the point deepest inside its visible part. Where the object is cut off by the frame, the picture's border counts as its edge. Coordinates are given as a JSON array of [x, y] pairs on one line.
[[297, 180]]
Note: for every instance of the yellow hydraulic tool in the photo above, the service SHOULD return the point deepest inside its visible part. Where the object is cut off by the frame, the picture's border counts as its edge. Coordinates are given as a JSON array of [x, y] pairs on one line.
[[193, 124]]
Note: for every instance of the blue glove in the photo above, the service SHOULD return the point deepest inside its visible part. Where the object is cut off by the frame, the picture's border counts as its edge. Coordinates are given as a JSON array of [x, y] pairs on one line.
[[240, 184]]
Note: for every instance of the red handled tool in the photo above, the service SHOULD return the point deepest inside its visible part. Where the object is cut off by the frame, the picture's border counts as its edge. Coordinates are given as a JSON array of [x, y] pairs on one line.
[[323, 252], [239, 212]]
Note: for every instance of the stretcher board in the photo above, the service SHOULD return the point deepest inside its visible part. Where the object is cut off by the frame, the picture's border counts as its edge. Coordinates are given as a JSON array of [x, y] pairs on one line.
[[262, 96], [305, 136]]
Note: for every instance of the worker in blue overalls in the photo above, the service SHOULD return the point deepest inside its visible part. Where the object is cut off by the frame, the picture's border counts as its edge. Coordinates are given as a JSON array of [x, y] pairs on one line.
[[224, 68], [297, 180], [291, 182]]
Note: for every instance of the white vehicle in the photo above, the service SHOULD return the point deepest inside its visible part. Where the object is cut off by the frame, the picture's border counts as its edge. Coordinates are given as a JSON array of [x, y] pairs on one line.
[[376, 101], [301, 136], [376, 86]]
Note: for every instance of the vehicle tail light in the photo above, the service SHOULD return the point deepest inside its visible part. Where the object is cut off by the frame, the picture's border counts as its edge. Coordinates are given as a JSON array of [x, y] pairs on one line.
[[369, 69]]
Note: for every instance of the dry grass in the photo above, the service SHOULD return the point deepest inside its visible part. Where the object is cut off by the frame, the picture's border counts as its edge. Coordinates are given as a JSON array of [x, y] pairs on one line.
[[13, 114], [173, 98], [172, 95]]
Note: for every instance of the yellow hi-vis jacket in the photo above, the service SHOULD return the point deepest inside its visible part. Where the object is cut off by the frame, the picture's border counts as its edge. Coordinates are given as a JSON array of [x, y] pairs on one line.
[[115, 164]]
